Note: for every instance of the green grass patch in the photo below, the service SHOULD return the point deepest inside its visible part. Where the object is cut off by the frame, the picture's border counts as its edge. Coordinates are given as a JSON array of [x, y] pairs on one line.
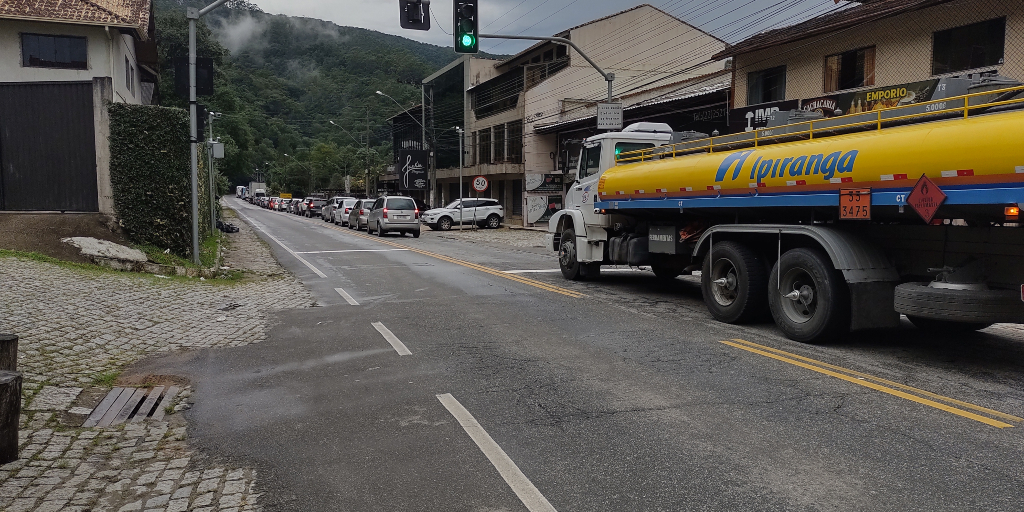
[[208, 256], [106, 379]]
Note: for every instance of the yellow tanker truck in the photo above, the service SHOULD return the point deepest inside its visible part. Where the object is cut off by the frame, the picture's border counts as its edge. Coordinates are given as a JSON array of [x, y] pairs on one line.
[[827, 226]]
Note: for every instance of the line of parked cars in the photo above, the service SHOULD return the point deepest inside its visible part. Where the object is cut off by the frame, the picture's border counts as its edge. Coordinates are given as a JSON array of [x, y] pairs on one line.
[[391, 214]]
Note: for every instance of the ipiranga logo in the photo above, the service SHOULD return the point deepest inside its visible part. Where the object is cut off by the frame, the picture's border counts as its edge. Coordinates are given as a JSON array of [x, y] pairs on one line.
[[821, 164]]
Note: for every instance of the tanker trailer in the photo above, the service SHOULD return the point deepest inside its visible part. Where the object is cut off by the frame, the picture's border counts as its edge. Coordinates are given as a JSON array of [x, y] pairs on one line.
[[842, 230]]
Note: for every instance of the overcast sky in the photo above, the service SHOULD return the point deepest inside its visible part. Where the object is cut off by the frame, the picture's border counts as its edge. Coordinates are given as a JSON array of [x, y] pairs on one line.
[[730, 20]]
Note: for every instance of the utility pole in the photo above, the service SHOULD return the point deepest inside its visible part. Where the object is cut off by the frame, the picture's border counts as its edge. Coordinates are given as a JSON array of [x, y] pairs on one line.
[[193, 15], [368, 148], [423, 145], [459, 131], [213, 190]]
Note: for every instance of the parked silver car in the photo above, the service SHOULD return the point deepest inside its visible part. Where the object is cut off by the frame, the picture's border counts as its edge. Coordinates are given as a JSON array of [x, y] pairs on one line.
[[343, 210], [327, 212], [357, 217], [394, 214]]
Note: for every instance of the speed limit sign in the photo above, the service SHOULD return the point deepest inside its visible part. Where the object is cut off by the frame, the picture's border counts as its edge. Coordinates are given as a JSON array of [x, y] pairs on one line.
[[480, 184]]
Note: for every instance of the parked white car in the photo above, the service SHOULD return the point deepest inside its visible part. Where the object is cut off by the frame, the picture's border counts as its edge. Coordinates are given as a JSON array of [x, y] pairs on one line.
[[486, 213]]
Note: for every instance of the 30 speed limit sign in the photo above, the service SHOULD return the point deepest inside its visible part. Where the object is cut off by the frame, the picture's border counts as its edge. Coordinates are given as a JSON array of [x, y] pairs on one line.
[[480, 184]]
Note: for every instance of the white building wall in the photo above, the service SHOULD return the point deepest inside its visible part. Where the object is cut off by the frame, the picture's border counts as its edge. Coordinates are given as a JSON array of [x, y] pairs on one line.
[[903, 46], [100, 51]]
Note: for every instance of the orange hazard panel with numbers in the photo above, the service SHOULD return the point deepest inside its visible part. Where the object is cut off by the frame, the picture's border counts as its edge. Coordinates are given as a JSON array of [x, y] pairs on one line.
[[855, 203]]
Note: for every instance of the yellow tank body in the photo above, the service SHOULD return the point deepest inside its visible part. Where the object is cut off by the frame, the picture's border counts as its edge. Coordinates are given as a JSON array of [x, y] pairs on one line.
[[986, 149]]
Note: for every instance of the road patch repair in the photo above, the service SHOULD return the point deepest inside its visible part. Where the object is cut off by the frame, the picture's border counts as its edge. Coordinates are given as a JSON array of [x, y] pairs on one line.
[[943, 403]]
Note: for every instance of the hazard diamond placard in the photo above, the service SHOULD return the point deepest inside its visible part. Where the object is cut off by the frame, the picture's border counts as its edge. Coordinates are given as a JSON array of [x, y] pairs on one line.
[[926, 198]]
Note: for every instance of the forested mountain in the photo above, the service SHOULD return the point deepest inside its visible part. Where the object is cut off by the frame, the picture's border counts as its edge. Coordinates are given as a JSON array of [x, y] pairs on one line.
[[280, 79]]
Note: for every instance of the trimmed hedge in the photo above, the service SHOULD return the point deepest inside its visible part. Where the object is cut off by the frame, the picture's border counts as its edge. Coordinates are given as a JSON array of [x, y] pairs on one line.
[[151, 176]]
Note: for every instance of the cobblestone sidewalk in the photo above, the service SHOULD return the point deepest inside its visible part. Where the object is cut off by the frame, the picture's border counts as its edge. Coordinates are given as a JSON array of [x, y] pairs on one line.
[[78, 328], [503, 236]]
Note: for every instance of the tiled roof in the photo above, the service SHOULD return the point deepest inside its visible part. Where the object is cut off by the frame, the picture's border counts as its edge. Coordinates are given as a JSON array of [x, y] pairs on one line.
[[115, 13], [867, 11]]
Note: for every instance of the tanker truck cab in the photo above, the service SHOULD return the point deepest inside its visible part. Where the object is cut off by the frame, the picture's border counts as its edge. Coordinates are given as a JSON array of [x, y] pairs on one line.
[[581, 254]]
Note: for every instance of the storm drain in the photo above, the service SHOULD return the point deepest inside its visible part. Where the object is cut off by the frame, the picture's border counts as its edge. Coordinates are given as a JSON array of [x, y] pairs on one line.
[[131, 405]]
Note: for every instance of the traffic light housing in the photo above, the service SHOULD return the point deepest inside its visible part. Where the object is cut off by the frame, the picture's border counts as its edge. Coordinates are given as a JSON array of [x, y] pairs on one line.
[[415, 14], [467, 26]]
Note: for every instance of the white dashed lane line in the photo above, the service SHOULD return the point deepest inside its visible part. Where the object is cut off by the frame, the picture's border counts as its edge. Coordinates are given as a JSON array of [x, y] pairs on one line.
[[348, 298], [514, 477], [392, 339]]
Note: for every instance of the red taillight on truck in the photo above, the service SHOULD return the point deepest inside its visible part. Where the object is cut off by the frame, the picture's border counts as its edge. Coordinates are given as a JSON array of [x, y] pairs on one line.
[[385, 213]]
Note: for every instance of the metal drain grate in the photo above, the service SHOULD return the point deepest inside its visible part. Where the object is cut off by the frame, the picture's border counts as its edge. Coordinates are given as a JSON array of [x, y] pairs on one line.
[[131, 405]]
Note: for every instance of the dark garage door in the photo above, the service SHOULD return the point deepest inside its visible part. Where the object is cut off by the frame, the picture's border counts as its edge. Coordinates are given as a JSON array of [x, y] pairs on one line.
[[47, 147]]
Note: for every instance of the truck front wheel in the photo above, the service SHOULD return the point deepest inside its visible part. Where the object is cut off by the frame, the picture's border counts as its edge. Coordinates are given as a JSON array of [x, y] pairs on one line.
[[568, 260], [734, 284], [811, 304]]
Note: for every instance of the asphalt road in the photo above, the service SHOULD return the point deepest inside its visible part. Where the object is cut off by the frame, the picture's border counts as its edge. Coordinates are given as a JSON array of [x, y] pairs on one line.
[[619, 394]]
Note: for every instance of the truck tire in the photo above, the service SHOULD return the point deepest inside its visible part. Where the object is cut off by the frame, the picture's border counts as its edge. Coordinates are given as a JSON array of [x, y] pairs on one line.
[[821, 311], [743, 296], [570, 266], [978, 307]]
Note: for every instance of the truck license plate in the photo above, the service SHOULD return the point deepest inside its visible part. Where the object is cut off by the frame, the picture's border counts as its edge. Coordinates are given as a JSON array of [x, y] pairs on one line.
[[855, 204]]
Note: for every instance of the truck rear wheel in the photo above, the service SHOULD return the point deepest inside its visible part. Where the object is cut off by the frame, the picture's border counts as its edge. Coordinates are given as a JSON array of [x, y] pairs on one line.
[[733, 283], [812, 303]]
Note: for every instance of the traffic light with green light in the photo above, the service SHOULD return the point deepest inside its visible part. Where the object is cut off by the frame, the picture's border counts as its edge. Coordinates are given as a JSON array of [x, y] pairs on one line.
[[467, 27]]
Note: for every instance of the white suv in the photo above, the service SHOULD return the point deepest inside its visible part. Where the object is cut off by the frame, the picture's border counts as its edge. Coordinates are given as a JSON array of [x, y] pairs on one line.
[[483, 212]]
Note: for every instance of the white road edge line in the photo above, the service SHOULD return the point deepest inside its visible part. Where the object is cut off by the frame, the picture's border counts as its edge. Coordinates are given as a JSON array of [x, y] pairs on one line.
[[351, 250], [346, 296], [392, 339], [285, 247], [514, 477]]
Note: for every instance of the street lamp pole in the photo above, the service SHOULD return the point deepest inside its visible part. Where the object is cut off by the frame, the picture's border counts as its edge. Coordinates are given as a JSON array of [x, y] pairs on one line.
[[461, 199], [193, 15]]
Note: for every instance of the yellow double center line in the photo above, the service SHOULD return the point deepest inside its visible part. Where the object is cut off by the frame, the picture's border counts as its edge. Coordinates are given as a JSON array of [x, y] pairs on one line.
[[885, 386], [487, 270]]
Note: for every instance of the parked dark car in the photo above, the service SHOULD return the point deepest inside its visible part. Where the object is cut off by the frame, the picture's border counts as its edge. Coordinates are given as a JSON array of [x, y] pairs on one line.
[[314, 206]]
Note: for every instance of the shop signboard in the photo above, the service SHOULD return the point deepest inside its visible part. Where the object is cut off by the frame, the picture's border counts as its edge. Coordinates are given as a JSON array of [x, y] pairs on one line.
[[747, 119], [541, 208], [872, 99], [544, 183], [412, 170]]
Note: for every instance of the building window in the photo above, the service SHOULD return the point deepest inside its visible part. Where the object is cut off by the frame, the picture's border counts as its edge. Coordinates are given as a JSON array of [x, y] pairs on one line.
[[63, 52], [485, 147], [499, 143], [127, 74], [849, 70], [766, 85], [515, 142], [969, 47]]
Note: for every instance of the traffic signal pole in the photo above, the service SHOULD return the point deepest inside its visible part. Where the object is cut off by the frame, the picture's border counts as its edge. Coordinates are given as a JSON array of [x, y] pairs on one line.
[[609, 77], [193, 15]]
